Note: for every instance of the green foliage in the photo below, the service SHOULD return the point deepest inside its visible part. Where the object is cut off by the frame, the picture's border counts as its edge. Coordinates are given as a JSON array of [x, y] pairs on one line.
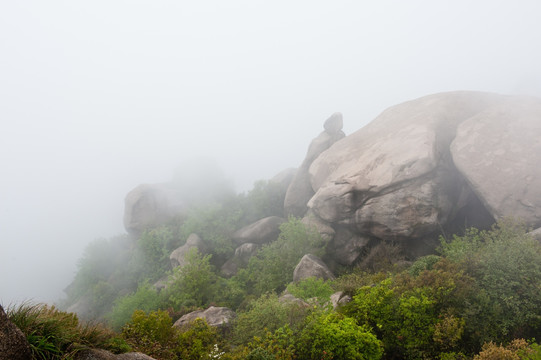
[[506, 265], [272, 268], [311, 288], [55, 334], [423, 263], [199, 341], [151, 257], [151, 334], [214, 224], [333, 336], [145, 298], [266, 314], [265, 199], [193, 284]]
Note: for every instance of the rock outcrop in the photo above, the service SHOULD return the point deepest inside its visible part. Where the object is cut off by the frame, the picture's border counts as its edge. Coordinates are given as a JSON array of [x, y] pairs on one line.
[[13, 343], [149, 206], [178, 256], [300, 189], [437, 163], [99, 354], [311, 266], [214, 316], [261, 232], [241, 258]]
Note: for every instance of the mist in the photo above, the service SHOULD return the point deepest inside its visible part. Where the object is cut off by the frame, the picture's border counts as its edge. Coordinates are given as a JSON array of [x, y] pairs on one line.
[[97, 98]]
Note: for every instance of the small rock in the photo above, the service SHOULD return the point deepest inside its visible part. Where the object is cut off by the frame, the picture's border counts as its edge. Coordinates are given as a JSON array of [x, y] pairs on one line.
[[311, 266]]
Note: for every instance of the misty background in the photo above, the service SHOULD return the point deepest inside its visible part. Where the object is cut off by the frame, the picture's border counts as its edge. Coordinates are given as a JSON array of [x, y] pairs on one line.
[[97, 97]]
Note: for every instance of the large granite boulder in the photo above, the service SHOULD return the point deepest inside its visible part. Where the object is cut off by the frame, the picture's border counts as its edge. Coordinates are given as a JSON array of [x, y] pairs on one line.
[[395, 179], [13, 343], [241, 258], [311, 266], [499, 152], [214, 316], [261, 232], [149, 206], [300, 190], [178, 256]]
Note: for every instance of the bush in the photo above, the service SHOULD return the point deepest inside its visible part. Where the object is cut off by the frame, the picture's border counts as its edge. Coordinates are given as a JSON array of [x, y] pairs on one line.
[[266, 314], [199, 340], [272, 268], [55, 334], [506, 265], [311, 288], [151, 334], [332, 336], [193, 284], [145, 298]]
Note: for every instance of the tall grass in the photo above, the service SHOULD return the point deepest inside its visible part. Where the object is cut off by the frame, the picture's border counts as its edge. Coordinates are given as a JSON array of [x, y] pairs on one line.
[[55, 334]]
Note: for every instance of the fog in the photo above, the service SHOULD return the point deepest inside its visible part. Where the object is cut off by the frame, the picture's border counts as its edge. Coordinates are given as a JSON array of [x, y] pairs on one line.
[[97, 97]]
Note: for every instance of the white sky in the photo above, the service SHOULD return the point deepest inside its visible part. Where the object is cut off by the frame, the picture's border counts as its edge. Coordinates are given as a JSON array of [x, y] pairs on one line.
[[97, 97]]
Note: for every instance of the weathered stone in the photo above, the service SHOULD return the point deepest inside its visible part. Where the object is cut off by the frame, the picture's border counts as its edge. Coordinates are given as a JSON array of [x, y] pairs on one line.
[[149, 206], [339, 299], [346, 246], [312, 221], [334, 123], [214, 316], [178, 256], [134, 356], [395, 179], [289, 298], [100, 354], [300, 190], [311, 266], [260, 232], [241, 258], [13, 343], [499, 151]]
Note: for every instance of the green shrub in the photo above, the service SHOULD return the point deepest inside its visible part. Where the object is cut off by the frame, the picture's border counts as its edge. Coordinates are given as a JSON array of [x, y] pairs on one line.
[[266, 314], [506, 265], [332, 336], [55, 334], [193, 284], [311, 288], [151, 334], [145, 298], [272, 268], [198, 340]]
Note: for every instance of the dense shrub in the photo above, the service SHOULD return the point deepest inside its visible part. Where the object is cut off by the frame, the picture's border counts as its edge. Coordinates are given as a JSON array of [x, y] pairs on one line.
[[145, 298], [55, 334], [151, 334], [266, 314], [332, 336], [272, 268], [193, 284], [311, 288], [198, 341]]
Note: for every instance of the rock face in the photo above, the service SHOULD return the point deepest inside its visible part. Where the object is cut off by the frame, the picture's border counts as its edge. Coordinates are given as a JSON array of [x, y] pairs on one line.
[[178, 256], [395, 180], [300, 189], [311, 266], [241, 258], [499, 152], [260, 232], [13, 343], [214, 316], [148, 206]]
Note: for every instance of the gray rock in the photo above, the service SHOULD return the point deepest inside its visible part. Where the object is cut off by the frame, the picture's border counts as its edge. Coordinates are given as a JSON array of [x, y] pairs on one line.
[[13, 343], [178, 256], [289, 298], [284, 178], [339, 299], [214, 316], [134, 356], [347, 246], [241, 258], [99, 354], [300, 190], [499, 151], [395, 179], [149, 206], [312, 221], [311, 266], [260, 232], [334, 123]]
